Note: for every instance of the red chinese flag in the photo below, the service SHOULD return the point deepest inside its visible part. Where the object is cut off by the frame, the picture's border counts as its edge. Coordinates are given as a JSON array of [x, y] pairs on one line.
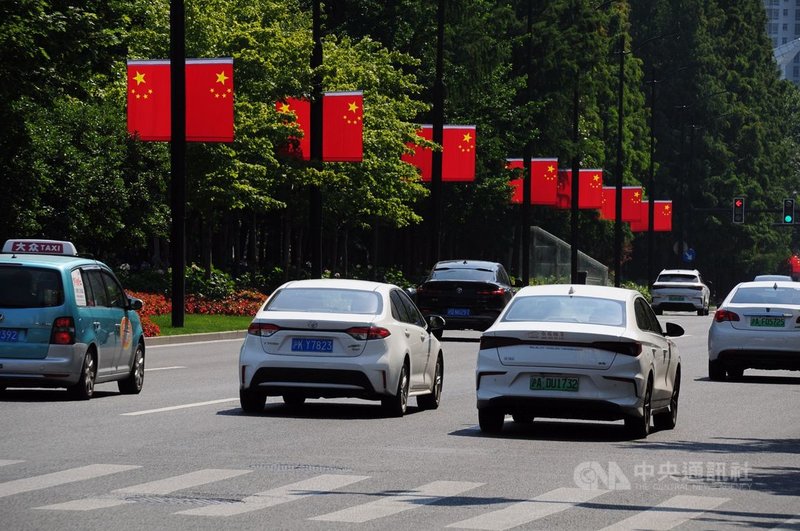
[[631, 203], [544, 181], [643, 223], [608, 208], [301, 110], [422, 158], [662, 216], [209, 100], [515, 184], [149, 100], [343, 126], [590, 191], [458, 153], [564, 196]]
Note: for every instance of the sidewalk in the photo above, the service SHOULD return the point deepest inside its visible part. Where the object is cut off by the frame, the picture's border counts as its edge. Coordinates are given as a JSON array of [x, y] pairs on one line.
[[193, 338]]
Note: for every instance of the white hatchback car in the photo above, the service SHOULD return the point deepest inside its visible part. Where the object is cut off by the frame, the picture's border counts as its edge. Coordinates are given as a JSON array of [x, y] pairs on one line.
[[681, 290], [341, 338], [757, 326], [581, 352]]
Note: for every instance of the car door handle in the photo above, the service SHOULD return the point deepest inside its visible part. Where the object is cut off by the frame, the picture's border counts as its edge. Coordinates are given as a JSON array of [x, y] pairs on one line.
[[96, 325], [408, 334]]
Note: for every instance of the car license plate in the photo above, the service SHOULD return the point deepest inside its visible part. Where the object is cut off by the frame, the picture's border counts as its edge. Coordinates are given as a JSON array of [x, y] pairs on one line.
[[554, 383], [675, 298], [311, 344], [10, 335], [767, 322], [458, 312]]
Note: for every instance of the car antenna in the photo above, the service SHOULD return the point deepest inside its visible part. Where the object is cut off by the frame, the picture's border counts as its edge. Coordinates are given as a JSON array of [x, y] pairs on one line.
[[571, 291], [775, 286]]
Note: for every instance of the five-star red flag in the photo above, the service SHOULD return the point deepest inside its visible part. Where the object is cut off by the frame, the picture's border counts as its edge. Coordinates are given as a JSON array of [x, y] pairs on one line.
[[209, 100], [642, 224], [544, 181], [149, 100], [301, 110], [662, 216], [515, 184], [422, 158], [343, 126], [590, 189], [564, 196], [458, 153], [631, 202], [608, 208]]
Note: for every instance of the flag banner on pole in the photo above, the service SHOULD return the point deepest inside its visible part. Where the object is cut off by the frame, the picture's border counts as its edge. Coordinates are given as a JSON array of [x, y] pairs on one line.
[[643, 223], [631, 203], [209, 100], [458, 153], [544, 181], [564, 196], [662, 216], [590, 189], [301, 110], [608, 210], [149, 100], [343, 126], [515, 184], [422, 158]]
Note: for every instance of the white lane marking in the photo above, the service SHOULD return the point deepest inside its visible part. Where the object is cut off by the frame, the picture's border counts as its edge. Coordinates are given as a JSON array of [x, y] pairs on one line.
[[6, 462], [72, 475], [322, 484], [155, 488], [670, 513], [793, 523], [164, 368], [389, 505], [238, 339], [552, 502], [174, 408]]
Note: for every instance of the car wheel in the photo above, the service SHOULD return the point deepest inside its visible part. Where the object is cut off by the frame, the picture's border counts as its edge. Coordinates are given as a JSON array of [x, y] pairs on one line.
[[432, 400], [735, 373], [701, 312], [491, 420], [668, 419], [293, 400], [252, 401], [657, 311], [84, 389], [132, 385], [716, 371], [522, 418], [395, 406], [639, 427]]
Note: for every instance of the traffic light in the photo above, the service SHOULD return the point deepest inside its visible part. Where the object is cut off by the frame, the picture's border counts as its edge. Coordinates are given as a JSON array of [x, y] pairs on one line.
[[788, 211], [738, 209]]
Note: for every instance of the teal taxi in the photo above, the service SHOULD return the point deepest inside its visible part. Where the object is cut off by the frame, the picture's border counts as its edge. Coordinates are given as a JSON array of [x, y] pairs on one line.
[[65, 321]]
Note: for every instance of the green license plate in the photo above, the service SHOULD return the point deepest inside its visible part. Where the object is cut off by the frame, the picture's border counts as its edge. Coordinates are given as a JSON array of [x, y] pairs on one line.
[[554, 383], [675, 298], [767, 322]]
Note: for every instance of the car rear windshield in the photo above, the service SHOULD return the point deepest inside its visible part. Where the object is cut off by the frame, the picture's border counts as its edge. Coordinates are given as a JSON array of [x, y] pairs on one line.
[[770, 295], [565, 309], [677, 278], [326, 300], [30, 287], [460, 273]]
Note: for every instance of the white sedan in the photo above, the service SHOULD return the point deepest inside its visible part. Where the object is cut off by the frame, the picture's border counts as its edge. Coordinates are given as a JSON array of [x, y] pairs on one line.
[[333, 338], [579, 352], [757, 326]]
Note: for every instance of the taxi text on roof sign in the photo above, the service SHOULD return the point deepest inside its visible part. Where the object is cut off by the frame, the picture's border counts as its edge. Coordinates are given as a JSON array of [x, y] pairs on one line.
[[40, 247]]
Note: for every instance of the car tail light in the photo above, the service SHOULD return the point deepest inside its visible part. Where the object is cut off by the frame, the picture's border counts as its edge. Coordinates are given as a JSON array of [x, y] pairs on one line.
[[725, 315], [262, 329], [363, 333], [498, 342], [63, 331], [499, 292], [627, 349]]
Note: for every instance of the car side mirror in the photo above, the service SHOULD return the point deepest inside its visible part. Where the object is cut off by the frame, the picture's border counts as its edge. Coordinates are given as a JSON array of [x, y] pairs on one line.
[[673, 330], [436, 325], [135, 304]]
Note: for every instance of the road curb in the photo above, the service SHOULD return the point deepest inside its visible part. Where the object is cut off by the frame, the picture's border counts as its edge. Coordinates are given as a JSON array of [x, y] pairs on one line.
[[193, 338]]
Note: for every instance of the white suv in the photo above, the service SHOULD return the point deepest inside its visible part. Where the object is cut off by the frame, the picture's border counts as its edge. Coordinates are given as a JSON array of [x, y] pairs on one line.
[[681, 290]]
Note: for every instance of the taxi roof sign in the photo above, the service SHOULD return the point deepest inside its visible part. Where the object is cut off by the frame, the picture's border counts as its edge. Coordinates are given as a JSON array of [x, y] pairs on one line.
[[40, 247]]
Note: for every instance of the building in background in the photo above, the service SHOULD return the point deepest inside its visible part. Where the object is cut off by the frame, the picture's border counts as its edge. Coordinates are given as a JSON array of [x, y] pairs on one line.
[[783, 27]]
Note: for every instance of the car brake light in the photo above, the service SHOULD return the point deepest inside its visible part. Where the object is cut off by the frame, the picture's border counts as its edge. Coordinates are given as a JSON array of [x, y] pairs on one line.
[[496, 292], [63, 331], [498, 342], [363, 333], [627, 349], [725, 315], [262, 329]]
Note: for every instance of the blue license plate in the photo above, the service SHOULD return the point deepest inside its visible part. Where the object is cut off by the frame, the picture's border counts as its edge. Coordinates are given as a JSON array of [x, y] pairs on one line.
[[311, 344], [10, 335], [458, 312]]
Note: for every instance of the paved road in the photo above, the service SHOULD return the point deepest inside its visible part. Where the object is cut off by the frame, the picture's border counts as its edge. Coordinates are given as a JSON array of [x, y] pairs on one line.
[[182, 455]]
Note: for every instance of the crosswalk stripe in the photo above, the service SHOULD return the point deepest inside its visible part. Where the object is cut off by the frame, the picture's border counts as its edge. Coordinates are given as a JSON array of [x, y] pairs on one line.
[[424, 495], [72, 475], [155, 488], [6, 462], [669, 514], [317, 485], [527, 511]]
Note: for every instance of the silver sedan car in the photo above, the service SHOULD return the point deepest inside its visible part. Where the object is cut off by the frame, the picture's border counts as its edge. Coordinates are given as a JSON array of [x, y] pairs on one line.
[[757, 326], [580, 352]]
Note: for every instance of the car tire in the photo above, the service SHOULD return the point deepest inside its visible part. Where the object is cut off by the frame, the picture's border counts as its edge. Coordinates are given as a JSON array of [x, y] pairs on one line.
[[701, 312], [432, 400], [84, 389], [639, 427], [132, 385], [522, 418], [668, 419], [716, 371], [491, 420], [252, 401], [395, 406], [735, 373], [657, 311], [294, 400]]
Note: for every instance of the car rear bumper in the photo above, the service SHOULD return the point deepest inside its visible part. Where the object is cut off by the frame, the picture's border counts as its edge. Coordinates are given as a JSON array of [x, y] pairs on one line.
[[761, 359], [688, 304], [559, 408], [61, 368]]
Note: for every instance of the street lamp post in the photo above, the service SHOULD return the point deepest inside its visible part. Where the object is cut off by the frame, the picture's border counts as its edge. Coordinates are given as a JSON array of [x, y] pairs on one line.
[[651, 179], [618, 191]]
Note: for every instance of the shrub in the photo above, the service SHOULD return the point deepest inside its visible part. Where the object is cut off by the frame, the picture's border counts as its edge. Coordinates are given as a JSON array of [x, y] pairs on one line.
[[219, 286]]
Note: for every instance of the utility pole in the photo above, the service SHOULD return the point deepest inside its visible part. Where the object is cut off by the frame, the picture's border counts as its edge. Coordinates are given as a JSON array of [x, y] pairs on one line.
[[438, 135], [315, 139], [177, 54]]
